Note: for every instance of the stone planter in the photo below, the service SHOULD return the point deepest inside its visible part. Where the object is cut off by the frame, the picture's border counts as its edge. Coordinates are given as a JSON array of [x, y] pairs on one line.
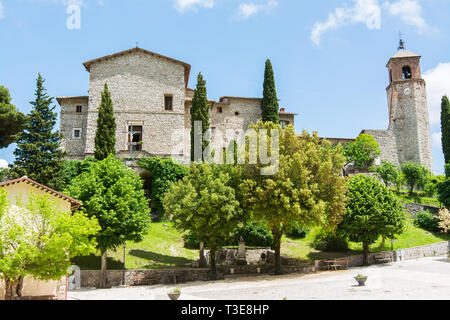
[[174, 296], [361, 281]]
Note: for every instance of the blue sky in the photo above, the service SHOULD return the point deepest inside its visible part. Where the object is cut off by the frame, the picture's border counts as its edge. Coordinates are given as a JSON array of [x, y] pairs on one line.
[[329, 56]]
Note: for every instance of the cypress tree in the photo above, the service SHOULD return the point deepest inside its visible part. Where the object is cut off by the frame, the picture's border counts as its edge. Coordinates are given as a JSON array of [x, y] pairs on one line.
[[38, 153], [200, 112], [445, 123], [105, 137], [270, 104]]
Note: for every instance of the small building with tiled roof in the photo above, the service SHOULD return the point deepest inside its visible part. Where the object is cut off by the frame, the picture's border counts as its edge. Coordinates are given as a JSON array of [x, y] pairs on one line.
[[19, 190]]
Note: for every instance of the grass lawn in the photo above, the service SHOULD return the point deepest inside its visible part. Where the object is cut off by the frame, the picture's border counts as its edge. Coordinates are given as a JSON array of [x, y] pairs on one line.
[[163, 248], [412, 237], [421, 200]]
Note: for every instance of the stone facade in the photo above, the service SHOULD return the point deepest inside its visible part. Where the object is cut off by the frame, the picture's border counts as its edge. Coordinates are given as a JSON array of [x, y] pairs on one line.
[[408, 137], [139, 82]]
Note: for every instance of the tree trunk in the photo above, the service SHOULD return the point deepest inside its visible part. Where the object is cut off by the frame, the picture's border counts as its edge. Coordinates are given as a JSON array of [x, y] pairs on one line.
[[202, 263], [277, 240], [212, 257], [383, 242], [365, 254], [13, 288], [8, 289], [19, 287], [103, 274]]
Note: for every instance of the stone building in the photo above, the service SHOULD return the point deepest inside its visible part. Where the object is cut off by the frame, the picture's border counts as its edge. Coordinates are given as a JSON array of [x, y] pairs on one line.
[[152, 105], [408, 136]]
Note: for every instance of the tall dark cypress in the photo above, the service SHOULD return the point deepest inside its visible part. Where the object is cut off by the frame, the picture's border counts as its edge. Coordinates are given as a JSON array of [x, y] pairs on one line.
[[445, 125], [38, 153], [270, 104], [105, 137], [200, 112]]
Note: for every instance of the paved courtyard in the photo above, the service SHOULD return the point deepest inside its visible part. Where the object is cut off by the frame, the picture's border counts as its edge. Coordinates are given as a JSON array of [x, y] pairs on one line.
[[423, 279]]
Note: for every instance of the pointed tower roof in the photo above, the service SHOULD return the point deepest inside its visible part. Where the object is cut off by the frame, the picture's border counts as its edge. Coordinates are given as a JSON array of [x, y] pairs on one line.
[[403, 53]]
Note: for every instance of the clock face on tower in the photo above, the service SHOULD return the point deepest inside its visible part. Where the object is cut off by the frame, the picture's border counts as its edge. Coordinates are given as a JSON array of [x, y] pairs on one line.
[[407, 91]]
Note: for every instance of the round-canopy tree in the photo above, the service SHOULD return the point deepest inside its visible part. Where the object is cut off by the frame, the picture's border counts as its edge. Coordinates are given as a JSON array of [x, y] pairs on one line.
[[113, 194], [363, 151], [373, 211], [38, 239], [306, 190], [416, 176], [204, 202]]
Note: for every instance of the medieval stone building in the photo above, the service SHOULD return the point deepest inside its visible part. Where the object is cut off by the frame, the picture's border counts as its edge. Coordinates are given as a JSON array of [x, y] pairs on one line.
[[152, 105]]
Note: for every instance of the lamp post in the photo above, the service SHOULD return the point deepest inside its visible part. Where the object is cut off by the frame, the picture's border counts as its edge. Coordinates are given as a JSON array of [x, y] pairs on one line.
[[124, 255]]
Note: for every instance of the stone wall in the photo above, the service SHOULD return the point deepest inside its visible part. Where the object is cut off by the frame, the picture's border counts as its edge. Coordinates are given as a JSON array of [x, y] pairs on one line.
[[138, 83], [432, 250], [415, 208], [55, 290], [228, 256]]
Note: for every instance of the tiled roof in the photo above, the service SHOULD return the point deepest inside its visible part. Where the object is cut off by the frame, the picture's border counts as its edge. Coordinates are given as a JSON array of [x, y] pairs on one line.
[[75, 203]]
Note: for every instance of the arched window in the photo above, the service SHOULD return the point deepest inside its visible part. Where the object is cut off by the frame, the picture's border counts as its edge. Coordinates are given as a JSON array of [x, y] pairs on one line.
[[406, 72]]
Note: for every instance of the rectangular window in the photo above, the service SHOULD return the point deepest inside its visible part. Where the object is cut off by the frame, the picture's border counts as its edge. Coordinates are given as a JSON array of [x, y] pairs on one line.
[[284, 124], [77, 133], [168, 103], [79, 109], [135, 138]]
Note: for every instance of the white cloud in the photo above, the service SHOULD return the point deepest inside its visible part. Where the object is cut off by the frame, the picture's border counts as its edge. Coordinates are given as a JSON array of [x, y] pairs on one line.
[[3, 164], [410, 12], [370, 12], [438, 85], [185, 5], [246, 10], [363, 11], [436, 139], [2, 11]]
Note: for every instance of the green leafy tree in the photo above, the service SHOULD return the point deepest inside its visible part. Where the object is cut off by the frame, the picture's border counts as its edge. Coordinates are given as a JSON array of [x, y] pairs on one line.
[[363, 151], [388, 172], [205, 203], [73, 168], [38, 153], [38, 239], [432, 187], [373, 211], [416, 176], [445, 125], [306, 191], [114, 195], [270, 104], [11, 119], [105, 137], [200, 112], [162, 172]]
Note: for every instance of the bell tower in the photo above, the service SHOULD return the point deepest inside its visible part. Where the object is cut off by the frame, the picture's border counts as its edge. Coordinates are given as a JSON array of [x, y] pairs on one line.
[[408, 110]]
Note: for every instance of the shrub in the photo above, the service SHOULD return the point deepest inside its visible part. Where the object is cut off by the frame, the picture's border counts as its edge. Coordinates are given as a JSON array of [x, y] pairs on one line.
[[254, 235], [444, 220], [427, 221], [162, 171], [298, 232], [431, 188], [330, 242]]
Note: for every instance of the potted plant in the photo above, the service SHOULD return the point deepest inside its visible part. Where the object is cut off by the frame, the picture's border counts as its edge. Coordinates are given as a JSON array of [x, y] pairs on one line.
[[175, 294], [361, 279]]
